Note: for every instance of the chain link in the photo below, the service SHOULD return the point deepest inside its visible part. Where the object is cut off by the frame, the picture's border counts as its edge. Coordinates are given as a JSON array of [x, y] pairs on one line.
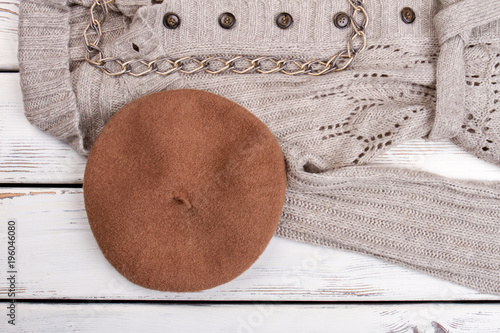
[[115, 66]]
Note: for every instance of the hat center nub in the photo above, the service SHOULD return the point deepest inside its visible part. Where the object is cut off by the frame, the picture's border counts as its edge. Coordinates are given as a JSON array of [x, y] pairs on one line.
[[181, 197]]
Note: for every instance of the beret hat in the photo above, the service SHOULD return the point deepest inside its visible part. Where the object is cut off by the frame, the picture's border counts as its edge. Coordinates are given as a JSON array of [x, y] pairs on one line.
[[436, 78], [183, 190]]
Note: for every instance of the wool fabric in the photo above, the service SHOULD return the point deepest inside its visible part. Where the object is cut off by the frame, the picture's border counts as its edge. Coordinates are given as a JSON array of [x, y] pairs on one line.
[[437, 78], [183, 190]]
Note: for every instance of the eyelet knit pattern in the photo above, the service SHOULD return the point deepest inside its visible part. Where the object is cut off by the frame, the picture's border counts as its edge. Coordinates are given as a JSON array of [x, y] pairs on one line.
[[480, 131], [329, 127]]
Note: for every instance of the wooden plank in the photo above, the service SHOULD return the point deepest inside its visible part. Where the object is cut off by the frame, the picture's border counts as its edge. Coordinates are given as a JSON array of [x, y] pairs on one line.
[[28, 155], [58, 258], [245, 318], [9, 18]]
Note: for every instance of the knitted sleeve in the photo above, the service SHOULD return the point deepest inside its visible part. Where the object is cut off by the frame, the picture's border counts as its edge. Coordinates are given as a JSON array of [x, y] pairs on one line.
[[444, 227]]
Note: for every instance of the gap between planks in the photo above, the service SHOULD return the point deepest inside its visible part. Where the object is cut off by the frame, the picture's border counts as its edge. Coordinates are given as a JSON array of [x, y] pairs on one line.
[[258, 317]]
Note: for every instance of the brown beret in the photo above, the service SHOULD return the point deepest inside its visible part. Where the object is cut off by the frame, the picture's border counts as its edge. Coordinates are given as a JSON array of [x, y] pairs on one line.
[[183, 190]]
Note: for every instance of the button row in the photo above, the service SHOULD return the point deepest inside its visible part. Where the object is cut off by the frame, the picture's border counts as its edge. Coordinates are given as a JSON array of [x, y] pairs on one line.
[[283, 20]]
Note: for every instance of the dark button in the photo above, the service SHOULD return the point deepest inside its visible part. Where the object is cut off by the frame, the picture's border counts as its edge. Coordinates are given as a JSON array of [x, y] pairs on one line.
[[341, 20], [284, 20], [408, 15], [154, 2], [227, 20], [171, 21]]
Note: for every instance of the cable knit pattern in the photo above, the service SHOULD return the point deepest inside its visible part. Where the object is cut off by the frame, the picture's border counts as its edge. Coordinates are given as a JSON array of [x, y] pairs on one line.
[[430, 79]]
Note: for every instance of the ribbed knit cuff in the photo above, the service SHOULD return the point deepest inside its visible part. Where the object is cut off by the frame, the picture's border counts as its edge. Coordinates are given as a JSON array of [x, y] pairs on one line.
[[49, 99], [445, 227]]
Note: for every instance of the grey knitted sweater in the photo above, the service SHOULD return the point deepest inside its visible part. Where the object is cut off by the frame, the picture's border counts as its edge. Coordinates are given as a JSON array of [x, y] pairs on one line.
[[436, 78]]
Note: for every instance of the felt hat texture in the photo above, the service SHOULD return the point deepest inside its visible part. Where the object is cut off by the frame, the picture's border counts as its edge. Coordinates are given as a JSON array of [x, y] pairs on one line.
[[183, 190]]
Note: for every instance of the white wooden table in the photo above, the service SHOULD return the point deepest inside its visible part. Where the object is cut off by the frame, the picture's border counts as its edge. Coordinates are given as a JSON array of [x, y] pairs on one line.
[[63, 283]]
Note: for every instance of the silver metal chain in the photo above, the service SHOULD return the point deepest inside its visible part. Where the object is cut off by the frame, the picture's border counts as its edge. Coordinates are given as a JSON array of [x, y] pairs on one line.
[[115, 66]]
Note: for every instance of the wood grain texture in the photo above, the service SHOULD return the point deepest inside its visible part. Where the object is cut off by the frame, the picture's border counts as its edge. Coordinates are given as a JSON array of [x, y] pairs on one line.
[[27, 155], [58, 258], [247, 318], [9, 18]]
